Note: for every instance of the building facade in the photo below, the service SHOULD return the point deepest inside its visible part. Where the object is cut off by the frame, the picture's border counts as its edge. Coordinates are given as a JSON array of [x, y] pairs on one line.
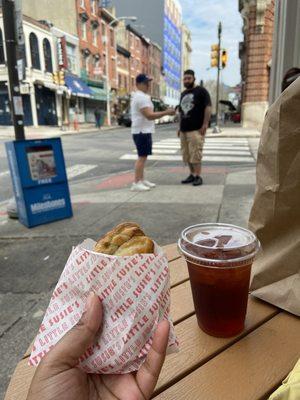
[[160, 20], [41, 97], [256, 59], [155, 68], [286, 44], [186, 48]]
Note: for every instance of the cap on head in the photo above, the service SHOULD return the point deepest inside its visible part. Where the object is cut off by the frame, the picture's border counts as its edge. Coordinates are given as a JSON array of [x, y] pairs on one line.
[[142, 78], [189, 72]]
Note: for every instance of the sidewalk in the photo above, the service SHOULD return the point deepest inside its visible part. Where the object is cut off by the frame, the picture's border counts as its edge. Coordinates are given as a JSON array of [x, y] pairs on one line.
[[7, 132], [43, 132]]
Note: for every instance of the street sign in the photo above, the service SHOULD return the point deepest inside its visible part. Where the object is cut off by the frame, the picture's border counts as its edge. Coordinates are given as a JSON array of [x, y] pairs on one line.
[[39, 178]]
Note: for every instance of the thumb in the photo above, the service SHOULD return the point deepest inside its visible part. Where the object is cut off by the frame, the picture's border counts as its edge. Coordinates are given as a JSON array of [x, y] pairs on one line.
[[74, 344]]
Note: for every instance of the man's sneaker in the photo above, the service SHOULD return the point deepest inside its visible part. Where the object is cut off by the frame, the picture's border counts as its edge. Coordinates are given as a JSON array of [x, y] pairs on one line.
[[139, 187], [198, 181], [189, 179], [149, 184]]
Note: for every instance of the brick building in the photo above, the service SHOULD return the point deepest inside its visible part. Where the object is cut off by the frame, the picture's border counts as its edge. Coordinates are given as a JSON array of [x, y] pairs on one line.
[[256, 56], [123, 69], [155, 55]]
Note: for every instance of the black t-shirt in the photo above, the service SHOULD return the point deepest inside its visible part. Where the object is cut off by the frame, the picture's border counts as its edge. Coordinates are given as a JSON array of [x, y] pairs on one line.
[[192, 107]]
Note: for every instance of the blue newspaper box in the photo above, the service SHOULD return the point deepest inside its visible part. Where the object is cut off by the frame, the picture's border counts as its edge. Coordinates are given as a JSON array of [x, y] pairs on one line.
[[38, 172]]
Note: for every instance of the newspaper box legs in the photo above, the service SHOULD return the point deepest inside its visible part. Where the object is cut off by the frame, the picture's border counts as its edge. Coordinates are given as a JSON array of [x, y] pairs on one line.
[[40, 183]]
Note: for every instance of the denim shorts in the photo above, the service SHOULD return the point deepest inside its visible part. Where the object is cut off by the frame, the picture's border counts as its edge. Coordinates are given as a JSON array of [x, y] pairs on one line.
[[143, 143]]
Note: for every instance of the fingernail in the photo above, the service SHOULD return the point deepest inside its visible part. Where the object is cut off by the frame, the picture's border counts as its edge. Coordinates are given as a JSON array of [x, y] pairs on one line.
[[89, 301]]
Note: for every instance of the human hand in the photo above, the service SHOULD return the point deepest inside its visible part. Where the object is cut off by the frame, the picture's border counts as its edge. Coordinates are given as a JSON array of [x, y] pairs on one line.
[[57, 376], [203, 129], [170, 111]]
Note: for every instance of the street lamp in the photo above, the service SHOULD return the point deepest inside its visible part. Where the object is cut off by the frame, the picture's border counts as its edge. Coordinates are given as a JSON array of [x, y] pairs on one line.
[[108, 86]]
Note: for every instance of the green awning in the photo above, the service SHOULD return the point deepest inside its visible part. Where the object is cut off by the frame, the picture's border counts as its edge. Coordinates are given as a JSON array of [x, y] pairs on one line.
[[99, 94]]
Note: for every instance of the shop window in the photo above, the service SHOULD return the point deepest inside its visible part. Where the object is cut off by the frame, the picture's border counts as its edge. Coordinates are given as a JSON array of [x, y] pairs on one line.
[[2, 58], [47, 55], [34, 51]]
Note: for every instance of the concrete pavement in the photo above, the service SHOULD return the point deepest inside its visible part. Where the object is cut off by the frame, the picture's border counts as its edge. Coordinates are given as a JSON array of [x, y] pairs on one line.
[[32, 260]]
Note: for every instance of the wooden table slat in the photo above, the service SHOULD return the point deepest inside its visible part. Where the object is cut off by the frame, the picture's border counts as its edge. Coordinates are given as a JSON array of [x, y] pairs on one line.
[[171, 251], [196, 347], [178, 271], [249, 370], [182, 305]]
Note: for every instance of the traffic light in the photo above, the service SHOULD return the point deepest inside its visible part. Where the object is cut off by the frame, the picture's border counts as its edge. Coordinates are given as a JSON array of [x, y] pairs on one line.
[[56, 78], [61, 75], [215, 56], [224, 58]]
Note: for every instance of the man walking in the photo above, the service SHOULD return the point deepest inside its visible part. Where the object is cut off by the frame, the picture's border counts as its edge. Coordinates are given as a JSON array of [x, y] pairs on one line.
[[98, 115], [143, 126], [195, 112]]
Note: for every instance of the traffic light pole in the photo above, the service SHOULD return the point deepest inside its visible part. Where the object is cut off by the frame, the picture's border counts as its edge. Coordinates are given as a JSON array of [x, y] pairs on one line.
[[16, 104], [217, 128]]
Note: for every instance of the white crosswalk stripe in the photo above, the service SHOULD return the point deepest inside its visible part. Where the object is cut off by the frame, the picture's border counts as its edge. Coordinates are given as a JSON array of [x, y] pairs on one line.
[[217, 150], [72, 172]]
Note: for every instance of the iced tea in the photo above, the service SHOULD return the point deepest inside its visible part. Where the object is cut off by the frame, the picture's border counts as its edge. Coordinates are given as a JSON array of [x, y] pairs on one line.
[[219, 259]]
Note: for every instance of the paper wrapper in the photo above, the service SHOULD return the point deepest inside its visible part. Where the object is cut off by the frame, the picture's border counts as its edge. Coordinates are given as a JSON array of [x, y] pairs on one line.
[[275, 216], [135, 292]]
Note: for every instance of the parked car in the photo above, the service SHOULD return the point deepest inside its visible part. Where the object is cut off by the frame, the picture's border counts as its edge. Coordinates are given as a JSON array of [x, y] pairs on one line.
[[233, 113], [125, 119]]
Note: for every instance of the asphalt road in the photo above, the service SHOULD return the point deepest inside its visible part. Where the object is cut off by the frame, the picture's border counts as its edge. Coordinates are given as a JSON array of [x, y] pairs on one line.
[[102, 150]]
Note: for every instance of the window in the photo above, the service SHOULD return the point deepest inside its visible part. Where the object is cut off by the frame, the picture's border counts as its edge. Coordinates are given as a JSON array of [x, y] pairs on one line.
[[104, 64], [47, 55], [2, 58], [82, 3], [34, 51], [93, 6], [87, 64], [95, 36], [120, 80], [83, 29], [112, 38], [103, 29], [71, 57]]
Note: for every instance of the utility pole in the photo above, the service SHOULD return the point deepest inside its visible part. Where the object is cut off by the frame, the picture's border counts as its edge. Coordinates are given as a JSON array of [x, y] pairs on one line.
[[217, 128], [11, 43]]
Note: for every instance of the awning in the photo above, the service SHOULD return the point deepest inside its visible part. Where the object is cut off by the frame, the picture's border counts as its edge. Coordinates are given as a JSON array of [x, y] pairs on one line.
[[78, 87], [100, 94]]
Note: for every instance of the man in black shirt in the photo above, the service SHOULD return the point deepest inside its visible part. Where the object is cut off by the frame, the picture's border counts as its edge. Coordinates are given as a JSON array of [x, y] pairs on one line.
[[195, 112]]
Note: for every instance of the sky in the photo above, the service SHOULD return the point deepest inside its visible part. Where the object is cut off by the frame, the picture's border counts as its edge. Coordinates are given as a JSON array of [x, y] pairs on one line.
[[202, 18]]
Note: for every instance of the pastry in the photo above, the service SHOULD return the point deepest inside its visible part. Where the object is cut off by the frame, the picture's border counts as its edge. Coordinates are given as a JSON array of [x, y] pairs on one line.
[[125, 239]]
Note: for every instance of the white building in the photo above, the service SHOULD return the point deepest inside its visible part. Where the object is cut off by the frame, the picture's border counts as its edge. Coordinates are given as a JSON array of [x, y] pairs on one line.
[[48, 50]]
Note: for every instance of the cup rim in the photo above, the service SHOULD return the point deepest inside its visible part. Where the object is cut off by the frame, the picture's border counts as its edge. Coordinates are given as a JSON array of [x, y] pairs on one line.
[[208, 261]]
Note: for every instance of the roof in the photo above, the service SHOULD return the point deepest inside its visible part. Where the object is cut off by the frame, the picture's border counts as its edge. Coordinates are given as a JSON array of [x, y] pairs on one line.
[[137, 33]]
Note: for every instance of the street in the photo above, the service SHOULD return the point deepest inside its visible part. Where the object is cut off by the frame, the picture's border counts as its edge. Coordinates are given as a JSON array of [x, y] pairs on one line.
[[100, 173]]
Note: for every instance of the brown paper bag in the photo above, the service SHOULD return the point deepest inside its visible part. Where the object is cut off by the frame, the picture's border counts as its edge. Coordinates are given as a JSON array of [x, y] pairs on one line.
[[275, 216]]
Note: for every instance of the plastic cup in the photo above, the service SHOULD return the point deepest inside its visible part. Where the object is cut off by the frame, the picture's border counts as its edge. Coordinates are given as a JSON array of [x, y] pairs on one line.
[[219, 259]]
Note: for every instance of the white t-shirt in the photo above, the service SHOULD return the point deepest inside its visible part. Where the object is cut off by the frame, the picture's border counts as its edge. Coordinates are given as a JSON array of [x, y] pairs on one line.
[[141, 124]]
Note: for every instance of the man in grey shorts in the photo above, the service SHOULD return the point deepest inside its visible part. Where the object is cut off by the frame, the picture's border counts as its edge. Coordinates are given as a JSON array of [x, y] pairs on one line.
[[195, 112]]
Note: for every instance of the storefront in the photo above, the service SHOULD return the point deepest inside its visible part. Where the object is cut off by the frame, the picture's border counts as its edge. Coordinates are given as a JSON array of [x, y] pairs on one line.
[[5, 115], [79, 92]]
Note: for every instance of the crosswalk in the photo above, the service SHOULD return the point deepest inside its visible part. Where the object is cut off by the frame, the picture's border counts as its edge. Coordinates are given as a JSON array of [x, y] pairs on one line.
[[73, 171], [216, 150]]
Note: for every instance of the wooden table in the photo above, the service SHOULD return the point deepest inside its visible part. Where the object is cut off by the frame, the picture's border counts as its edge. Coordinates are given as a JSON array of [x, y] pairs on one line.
[[247, 367]]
